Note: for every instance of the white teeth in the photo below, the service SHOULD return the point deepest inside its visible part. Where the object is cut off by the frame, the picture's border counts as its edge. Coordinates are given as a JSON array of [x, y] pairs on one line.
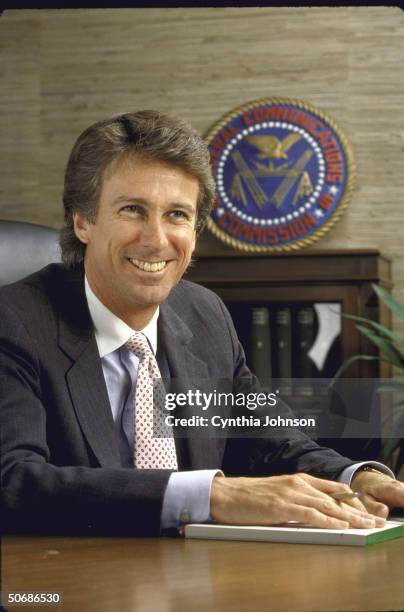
[[154, 266]]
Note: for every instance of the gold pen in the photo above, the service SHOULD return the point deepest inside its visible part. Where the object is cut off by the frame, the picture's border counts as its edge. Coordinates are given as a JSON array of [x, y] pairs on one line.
[[344, 495]]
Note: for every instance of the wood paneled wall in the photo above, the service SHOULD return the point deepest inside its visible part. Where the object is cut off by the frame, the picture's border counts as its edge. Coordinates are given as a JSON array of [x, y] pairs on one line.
[[64, 69]]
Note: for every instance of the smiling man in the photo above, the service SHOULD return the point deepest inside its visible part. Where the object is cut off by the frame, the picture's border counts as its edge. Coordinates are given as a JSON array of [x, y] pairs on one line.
[[144, 237], [82, 342]]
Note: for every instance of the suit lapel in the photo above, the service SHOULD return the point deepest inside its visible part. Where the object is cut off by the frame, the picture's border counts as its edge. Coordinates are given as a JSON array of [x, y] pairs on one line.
[[85, 378], [87, 387], [177, 340], [187, 371]]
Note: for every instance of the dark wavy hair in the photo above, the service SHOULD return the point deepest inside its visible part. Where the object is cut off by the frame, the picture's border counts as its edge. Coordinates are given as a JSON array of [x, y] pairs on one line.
[[148, 134]]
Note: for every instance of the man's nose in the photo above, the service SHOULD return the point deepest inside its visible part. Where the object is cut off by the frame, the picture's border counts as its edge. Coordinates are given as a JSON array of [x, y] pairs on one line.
[[154, 232]]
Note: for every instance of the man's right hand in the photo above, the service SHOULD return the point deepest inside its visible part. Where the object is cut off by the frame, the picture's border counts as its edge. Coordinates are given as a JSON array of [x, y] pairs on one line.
[[278, 499]]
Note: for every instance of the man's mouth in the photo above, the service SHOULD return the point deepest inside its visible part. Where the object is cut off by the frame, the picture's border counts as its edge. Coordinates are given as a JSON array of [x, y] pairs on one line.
[[149, 266]]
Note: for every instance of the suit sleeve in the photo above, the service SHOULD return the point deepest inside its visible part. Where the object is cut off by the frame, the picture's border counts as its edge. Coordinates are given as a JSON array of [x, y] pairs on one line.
[[280, 454], [37, 494]]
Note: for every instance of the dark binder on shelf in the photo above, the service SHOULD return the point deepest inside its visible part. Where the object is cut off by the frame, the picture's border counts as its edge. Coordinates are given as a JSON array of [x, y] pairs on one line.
[[284, 349], [260, 345], [305, 320]]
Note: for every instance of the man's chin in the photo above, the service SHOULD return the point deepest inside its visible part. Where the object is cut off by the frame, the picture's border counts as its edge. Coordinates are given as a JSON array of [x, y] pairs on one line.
[[150, 296]]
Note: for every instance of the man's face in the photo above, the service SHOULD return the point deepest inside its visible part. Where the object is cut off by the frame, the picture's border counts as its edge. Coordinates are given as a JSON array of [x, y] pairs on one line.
[[143, 237]]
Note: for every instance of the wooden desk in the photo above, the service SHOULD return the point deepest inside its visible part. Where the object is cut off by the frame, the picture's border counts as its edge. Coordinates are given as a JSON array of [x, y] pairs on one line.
[[175, 575]]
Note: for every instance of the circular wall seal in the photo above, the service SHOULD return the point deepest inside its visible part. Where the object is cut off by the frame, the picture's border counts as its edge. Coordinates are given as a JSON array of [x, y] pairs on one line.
[[284, 173]]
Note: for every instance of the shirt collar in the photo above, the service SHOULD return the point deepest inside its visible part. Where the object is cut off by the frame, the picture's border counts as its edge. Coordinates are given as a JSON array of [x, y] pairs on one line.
[[110, 331]]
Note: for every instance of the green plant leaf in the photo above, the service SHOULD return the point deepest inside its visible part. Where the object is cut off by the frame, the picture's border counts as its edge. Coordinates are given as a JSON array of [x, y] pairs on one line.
[[390, 302], [391, 386], [400, 460], [390, 445], [351, 360], [392, 354], [388, 449], [397, 422], [380, 328], [394, 416]]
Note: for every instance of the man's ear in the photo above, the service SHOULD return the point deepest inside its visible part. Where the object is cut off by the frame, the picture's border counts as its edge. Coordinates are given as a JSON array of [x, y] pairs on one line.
[[81, 227]]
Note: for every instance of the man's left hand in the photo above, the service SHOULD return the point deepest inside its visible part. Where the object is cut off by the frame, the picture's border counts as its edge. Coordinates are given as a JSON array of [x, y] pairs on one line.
[[378, 491]]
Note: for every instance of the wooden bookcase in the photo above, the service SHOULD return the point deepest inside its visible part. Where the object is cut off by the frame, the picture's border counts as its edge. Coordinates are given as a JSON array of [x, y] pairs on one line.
[[343, 276]]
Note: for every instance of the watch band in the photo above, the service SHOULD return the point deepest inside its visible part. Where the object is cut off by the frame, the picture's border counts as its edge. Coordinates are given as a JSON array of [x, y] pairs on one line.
[[369, 468]]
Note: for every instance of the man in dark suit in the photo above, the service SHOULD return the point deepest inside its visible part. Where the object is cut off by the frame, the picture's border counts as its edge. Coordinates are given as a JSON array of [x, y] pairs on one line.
[[76, 455]]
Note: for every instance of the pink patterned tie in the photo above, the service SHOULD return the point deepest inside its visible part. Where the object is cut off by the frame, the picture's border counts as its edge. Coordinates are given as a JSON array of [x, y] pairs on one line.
[[151, 452]]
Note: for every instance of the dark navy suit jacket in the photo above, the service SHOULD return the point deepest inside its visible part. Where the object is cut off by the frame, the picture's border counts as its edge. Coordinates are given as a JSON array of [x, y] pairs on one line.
[[60, 462]]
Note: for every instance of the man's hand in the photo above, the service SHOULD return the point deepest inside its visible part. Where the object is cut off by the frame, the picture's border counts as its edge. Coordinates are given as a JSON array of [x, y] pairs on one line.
[[378, 491], [277, 499]]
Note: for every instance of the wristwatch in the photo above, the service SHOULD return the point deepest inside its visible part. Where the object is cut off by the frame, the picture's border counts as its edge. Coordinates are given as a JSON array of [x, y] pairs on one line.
[[369, 468]]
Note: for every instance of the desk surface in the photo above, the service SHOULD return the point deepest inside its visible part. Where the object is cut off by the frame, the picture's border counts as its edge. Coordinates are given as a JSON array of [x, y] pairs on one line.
[[162, 575]]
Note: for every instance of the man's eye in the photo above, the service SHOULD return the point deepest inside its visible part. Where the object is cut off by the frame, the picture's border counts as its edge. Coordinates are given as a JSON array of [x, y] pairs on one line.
[[179, 214], [131, 208]]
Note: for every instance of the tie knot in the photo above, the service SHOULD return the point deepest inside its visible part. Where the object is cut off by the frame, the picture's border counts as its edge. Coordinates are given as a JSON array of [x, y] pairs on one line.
[[139, 345]]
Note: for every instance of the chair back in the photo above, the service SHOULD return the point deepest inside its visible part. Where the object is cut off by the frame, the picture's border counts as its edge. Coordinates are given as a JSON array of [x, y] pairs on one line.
[[25, 248]]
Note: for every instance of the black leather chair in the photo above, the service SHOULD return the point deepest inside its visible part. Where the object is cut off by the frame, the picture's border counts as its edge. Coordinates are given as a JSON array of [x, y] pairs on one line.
[[25, 248]]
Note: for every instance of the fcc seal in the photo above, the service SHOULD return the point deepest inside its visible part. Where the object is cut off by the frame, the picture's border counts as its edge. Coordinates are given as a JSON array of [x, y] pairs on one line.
[[284, 174]]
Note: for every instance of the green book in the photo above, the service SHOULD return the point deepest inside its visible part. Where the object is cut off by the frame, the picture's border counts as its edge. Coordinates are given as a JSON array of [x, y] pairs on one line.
[[292, 534]]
